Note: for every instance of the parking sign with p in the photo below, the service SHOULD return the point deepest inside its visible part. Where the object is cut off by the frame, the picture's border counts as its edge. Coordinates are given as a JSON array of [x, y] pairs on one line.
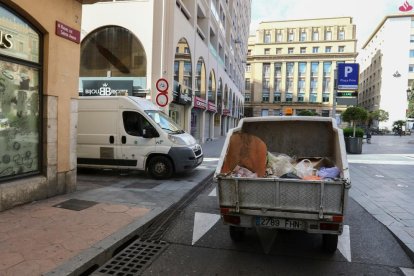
[[348, 76]]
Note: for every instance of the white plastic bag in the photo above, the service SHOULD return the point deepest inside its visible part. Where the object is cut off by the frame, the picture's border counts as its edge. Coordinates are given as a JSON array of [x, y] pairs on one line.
[[304, 168], [280, 164]]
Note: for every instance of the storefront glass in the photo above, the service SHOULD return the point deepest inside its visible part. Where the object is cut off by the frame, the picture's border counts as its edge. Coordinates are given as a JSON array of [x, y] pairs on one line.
[[20, 69]]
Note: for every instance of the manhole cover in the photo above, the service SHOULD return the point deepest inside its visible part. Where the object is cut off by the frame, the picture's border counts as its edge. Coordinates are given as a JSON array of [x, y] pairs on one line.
[[134, 259], [75, 204], [148, 185]]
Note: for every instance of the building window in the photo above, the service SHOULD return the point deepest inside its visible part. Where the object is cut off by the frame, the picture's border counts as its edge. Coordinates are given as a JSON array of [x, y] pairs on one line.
[[313, 97], [303, 36], [328, 35], [278, 51], [328, 49], [302, 69], [20, 97], [266, 69], [325, 98], [265, 112], [303, 50], [249, 52], [289, 69], [267, 37], [247, 84], [325, 113], [289, 85], [247, 97], [279, 37], [315, 50], [301, 97], [411, 53], [315, 36], [412, 38], [314, 69], [248, 67], [291, 36], [290, 50], [267, 51], [412, 23], [341, 49], [265, 96], [341, 35], [277, 97], [288, 97]]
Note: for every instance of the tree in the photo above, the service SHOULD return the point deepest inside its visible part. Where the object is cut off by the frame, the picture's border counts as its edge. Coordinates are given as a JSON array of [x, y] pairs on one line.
[[354, 115], [397, 126], [307, 113], [377, 115]]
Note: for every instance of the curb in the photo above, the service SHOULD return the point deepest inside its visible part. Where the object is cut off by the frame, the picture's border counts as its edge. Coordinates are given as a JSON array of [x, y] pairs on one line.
[[92, 258]]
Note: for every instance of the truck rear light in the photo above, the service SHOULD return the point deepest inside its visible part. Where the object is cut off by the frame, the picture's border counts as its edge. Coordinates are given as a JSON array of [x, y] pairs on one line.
[[224, 211], [337, 218], [231, 219], [329, 226]]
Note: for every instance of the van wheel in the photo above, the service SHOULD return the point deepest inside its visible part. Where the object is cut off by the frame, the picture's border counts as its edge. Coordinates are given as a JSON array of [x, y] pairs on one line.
[[160, 167], [329, 243], [236, 233]]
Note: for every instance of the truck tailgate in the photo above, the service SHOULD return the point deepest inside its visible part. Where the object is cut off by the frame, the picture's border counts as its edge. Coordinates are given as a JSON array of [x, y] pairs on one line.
[[264, 195]]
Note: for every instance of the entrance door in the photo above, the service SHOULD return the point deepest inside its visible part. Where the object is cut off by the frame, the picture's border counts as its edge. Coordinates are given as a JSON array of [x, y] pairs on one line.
[[134, 147]]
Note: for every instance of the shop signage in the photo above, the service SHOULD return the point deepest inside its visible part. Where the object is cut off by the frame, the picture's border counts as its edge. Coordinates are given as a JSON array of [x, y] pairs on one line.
[[348, 75], [200, 103], [67, 32], [226, 111], [5, 40], [211, 107], [106, 87]]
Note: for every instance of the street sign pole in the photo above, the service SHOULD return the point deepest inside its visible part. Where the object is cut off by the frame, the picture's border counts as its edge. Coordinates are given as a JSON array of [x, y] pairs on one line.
[[334, 94]]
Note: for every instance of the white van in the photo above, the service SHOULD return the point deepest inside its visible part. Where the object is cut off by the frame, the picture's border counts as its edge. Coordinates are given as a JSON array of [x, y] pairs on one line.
[[133, 133]]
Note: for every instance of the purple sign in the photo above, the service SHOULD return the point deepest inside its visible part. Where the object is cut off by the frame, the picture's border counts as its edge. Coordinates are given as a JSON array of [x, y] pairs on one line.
[[67, 32]]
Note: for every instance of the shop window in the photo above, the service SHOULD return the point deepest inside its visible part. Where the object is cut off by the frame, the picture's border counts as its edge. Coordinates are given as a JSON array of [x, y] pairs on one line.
[[20, 95]]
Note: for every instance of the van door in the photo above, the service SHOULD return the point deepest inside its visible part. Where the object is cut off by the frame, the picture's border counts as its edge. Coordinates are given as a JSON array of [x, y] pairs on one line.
[[134, 147]]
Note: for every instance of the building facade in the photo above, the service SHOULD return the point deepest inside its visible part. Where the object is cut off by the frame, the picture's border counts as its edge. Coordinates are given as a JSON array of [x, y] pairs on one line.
[[387, 68], [197, 46], [291, 65], [39, 64]]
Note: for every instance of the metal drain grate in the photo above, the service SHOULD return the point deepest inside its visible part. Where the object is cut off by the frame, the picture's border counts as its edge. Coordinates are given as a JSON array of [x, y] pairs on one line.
[[132, 260], [75, 204]]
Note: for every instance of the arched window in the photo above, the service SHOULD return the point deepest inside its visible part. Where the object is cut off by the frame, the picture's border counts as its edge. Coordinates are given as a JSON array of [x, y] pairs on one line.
[[183, 72], [112, 51], [212, 87], [200, 79]]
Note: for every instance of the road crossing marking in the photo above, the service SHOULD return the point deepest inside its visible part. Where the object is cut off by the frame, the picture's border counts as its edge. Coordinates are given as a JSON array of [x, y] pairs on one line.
[[213, 192], [344, 243], [407, 271], [203, 222]]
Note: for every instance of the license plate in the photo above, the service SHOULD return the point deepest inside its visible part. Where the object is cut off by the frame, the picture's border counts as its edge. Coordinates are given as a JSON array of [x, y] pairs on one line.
[[279, 223]]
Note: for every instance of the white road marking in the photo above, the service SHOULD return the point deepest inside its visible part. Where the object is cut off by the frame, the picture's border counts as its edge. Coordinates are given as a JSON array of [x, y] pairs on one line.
[[210, 159], [213, 192], [407, 271], [344, 243], [202, 223], [378, 175]]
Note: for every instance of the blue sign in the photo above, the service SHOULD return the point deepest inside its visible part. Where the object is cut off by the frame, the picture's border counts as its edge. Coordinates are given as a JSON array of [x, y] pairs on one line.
[[348, 76]]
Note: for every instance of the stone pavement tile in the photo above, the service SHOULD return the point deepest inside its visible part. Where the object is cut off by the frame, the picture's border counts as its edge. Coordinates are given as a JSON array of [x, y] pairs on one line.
[[9, 259], [402, 234], [409, 223], [30, 268], [403, 216], [385, 219]]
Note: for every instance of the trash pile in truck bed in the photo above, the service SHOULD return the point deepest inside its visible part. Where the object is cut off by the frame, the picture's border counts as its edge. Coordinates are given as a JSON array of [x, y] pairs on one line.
[[247, 156]]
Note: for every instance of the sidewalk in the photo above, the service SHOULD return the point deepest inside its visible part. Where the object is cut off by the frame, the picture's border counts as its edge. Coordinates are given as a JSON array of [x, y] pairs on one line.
[[108, 207], [46, 238]]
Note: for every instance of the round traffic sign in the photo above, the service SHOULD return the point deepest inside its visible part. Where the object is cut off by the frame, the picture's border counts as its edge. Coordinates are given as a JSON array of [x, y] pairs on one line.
[[162, 99], [162, 85]]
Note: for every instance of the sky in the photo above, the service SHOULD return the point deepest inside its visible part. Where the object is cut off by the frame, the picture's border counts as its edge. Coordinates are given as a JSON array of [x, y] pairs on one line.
[[367, 14]]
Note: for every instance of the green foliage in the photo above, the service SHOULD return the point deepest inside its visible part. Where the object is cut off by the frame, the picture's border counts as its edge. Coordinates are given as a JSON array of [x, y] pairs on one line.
[[378, 115], [307, 113], [354, 115], [348, 132], [397, 125]]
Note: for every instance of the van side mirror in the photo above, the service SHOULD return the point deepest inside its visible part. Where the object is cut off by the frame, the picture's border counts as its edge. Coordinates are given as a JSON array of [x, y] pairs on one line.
[[149, 132]]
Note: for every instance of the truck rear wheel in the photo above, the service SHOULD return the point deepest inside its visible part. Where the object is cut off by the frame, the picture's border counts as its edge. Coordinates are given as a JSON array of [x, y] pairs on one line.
[[236, 233], [329, 243], [160, 167]]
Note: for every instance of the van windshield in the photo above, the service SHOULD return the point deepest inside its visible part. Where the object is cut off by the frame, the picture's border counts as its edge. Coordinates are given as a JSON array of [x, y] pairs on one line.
[[164, 121]]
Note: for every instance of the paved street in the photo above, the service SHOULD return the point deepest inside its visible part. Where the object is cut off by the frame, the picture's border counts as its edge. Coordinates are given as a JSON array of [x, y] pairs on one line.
[[33, 239]]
